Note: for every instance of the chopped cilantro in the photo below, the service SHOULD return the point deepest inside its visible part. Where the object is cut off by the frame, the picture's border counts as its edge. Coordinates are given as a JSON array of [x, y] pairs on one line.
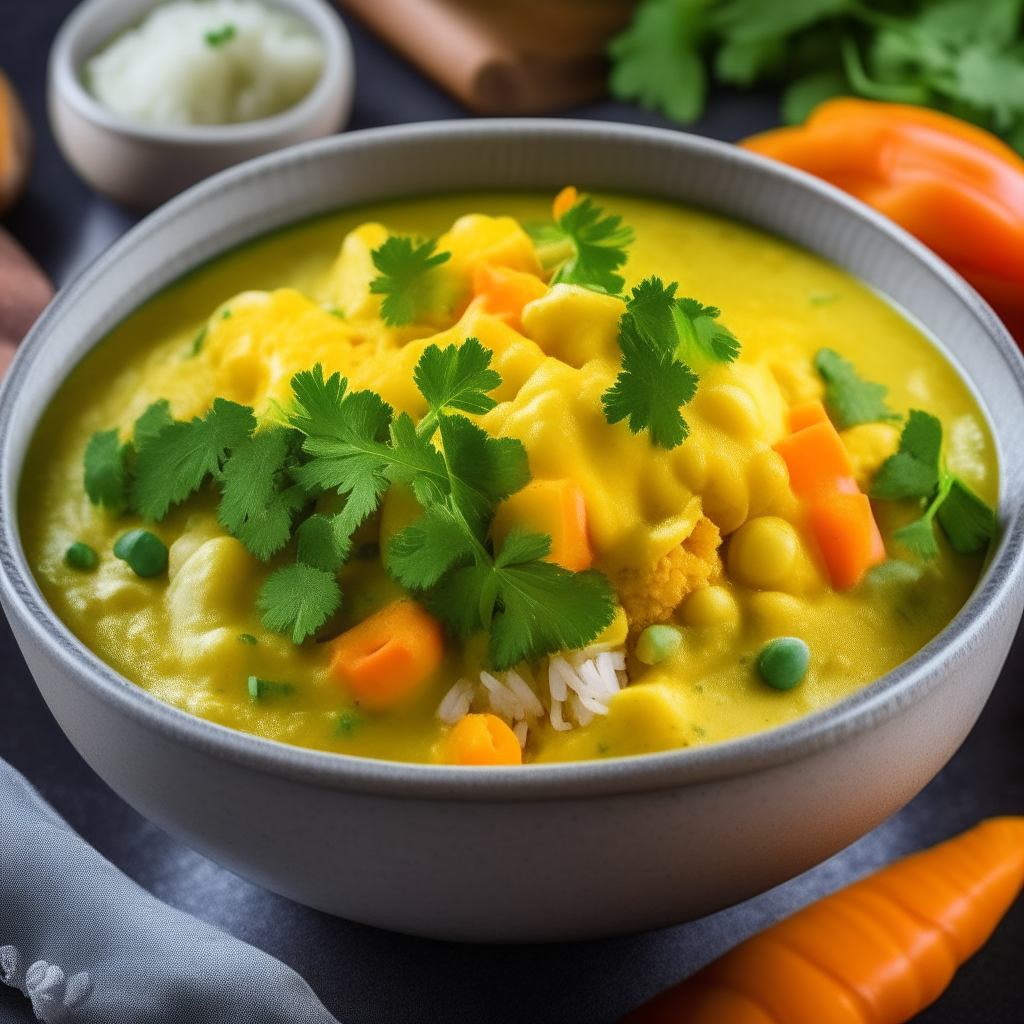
[[106, 471], [298, 598], [849, 399], [198, 342], [247, 638], [455, 378], [917, 471], [405, 281], [267, 688], [219, 36], [654, 382], [348, 722], [584, 247]]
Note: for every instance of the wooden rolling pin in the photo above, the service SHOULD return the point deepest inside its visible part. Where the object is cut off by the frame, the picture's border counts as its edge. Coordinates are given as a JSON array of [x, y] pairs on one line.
[[503, 56]]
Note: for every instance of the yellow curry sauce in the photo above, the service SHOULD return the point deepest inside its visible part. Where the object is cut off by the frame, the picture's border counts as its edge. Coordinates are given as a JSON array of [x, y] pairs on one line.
[[270, 310]]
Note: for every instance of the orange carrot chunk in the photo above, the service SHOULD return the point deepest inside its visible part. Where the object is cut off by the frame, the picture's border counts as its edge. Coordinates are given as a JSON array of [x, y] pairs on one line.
[[806, 414], [564, 201], [503, 292], [388, 655], [482, 739], [554, 507], [817, 460], [877, 952], [845, 530]]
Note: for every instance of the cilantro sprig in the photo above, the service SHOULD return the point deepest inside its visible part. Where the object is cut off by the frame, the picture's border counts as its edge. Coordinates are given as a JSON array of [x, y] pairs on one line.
[[405, 279], [656, 333], [917, 471], [850, 400], [584, 247]]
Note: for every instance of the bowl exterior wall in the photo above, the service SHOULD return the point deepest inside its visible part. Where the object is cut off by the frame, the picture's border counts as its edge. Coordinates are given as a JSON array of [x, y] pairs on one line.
[[584, 850], [574, 868]]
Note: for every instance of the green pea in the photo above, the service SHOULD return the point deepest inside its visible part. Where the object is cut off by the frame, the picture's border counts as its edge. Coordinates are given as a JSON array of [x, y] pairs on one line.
[[80, 556], [657, 643], [143, 551], [783, 662]]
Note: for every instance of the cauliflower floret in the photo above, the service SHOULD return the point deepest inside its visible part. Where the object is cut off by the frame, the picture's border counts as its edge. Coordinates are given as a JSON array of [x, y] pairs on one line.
[[652, 595]]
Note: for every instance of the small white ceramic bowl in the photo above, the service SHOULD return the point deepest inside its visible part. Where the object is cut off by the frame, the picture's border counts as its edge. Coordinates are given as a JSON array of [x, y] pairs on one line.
[[141, 165], [542, 851]]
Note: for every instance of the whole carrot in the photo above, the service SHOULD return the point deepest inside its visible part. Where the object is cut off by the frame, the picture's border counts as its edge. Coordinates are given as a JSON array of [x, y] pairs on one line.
[[877, 952]]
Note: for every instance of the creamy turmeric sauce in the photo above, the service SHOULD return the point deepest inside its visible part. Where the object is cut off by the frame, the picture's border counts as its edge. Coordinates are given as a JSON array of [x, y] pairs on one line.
[[654, 516]]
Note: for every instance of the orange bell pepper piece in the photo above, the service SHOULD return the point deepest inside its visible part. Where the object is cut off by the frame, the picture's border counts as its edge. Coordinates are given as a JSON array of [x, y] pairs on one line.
[[388, 655], [877, 952], [482, 739], [554, 507], [956, 187]]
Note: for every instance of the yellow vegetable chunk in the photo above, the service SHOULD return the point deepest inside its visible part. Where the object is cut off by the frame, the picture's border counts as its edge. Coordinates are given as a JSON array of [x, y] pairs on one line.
[[575, 324]]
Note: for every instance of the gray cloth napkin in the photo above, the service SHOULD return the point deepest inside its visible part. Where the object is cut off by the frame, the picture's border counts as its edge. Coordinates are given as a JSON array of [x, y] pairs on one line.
[[89, 946]]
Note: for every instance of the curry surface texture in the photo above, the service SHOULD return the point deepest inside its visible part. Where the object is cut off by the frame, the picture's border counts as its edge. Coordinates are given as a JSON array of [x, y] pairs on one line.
[[266, 308]]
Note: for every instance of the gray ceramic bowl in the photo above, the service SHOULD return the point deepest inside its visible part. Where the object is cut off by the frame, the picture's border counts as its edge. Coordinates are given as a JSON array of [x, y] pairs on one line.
[[563, 851]]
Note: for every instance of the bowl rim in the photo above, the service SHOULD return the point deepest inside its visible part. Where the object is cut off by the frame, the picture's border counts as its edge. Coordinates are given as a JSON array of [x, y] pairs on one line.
[[998, 586], [64, 76]]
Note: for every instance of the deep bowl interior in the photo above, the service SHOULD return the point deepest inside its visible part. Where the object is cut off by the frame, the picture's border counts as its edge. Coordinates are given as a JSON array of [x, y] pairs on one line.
[[282, 188]]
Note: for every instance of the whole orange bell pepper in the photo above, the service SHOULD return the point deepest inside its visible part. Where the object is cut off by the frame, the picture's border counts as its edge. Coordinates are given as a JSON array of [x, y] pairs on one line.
[[954, 186]]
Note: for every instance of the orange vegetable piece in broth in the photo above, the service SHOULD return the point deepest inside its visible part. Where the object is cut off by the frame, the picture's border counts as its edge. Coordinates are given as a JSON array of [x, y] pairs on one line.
[[877, 952], [554, 507], [389, 654], [806, 414], [480, 740], [848, 536], [818, 461], [564, 201], [503, 292]]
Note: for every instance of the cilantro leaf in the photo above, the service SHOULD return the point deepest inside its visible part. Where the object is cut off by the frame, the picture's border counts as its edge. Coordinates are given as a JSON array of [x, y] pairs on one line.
[[416, 462], [423, 552], [701, 335], [650, 388], [257, 504], [588, 246], [173, 461], [965, 519], [324, 542], [107, 477], [404, 279], [455, 378], [151, 422], [657, 60], [298, 598], [913, 472], [345, 439], [849, 399], [918, 538]]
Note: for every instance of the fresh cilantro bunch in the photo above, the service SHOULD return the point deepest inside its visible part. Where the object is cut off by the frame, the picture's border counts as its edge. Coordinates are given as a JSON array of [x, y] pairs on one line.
[[656, 332], [405, 280], [851, 400], [584, 247], [961, 56], [918, 471], [357, 448]]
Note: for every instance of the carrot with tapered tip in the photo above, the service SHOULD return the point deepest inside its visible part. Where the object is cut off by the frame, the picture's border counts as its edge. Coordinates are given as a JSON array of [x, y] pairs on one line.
[[877, 952]]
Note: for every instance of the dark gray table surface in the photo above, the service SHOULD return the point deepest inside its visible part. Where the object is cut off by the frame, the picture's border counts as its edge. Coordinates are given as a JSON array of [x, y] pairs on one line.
[[364, 974]]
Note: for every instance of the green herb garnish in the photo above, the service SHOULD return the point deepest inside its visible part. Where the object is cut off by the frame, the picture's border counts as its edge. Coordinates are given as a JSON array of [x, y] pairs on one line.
[[917, 471], [267, 688], [584, 247], [247, 638], [348, 723], [405, 280], [106, 470], [298, 599], [198, 341], [219, 36], [849, 399]]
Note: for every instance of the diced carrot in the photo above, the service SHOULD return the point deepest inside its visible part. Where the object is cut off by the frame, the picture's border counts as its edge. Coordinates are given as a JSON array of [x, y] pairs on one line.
[[503, 292], [845, 529], [806, 414], [554, 507], [388, 655], [564, 201], [817, 459], [482, 739]]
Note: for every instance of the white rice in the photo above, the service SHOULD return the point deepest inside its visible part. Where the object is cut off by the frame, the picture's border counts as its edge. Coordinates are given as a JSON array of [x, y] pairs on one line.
[[579, 682], [207, 62]]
